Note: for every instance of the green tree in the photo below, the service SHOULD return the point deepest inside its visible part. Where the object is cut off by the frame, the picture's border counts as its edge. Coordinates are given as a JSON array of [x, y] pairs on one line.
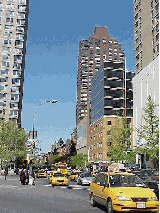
[[79, 160], [149, 131], [119, 141], [54, 158], [12, 141]]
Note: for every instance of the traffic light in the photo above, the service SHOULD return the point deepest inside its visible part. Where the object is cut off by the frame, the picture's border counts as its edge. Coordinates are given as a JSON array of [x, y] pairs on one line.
[[27, 161], [33, 144]]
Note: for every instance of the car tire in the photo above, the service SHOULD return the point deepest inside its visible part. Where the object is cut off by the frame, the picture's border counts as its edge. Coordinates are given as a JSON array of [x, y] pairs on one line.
[[93, 203], [109, 206]]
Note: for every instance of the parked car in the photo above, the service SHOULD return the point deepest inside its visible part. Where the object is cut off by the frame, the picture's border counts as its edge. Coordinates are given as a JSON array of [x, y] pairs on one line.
[[153, 173], [84, 178], [123, 192], [152, 184]]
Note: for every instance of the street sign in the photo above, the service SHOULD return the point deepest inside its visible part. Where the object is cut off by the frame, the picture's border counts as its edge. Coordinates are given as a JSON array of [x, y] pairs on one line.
[[31, 134]]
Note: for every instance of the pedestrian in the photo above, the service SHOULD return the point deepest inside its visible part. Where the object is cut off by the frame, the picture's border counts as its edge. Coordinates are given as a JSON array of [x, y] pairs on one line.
[[26, 177], [22, 177], [6, 172]]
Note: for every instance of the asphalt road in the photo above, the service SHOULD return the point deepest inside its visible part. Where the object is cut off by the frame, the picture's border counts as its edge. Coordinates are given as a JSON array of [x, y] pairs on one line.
[[17, 198], [43, 198]]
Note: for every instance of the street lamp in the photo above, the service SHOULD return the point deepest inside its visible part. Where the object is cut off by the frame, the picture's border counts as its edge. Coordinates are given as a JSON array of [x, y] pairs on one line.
[[51, 101]]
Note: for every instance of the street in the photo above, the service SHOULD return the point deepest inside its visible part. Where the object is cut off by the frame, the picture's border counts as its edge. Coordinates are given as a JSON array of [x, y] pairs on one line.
[[42, 197]]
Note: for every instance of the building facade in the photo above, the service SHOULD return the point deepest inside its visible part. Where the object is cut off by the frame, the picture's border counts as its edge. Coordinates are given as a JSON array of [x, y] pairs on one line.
[[14, 24], [146, 32], [81, 145], [146, 80], [111, 93], [92, 53]]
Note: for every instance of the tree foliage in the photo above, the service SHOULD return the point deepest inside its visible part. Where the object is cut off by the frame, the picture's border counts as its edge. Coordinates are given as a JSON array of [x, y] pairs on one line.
[[12, 141], [79, 160], [119, 141], [149, 131], [54, 158]]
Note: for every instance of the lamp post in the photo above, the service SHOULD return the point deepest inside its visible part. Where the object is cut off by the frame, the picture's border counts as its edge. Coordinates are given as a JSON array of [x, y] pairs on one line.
[[33, 145], [51, 101]]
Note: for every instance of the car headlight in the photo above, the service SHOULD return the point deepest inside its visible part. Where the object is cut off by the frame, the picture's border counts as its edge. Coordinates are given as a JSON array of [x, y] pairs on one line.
[[153, 198], [121, 198]]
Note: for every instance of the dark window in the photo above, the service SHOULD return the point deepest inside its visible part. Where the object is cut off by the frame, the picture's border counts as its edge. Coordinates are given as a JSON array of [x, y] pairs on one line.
[[109, 123]]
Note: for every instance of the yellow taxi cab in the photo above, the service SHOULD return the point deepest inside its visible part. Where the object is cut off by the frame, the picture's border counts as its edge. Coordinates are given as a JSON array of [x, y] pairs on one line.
[[123, 192], [59, 178], [94, 173], [74, 175], [49, 176], [41, 173]]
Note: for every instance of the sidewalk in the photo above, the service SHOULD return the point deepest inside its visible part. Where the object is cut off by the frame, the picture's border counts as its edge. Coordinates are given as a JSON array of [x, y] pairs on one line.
[[11, 181]]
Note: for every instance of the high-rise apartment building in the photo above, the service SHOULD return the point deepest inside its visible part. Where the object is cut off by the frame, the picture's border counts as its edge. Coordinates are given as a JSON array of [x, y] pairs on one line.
[[92, 53], [13, 35], [146, 32], [111, 93], [146, 80]]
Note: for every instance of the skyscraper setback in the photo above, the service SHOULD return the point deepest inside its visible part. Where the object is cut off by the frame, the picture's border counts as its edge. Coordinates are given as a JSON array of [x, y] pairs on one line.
[[92, 53], [14, 24]]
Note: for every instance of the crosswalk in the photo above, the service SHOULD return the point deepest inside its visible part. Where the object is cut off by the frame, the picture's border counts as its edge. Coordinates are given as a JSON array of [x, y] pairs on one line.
[[70, 187]]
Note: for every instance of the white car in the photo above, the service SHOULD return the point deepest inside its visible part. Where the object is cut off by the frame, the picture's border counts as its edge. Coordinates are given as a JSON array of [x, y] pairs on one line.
[[84, 178]]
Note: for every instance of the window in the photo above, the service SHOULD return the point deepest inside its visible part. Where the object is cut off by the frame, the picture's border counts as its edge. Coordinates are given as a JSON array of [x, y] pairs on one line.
[[5, 64], [15, 89], [15, 81], [13, 113], [6, 49], [5, 56], [17, 57], [7, 34], [19, 36], [11, 6], [6, 41], [9, 20], [19, 43], [20, 29], [8, 27], [109, 132], [109, 123], [4, 71], [22, 8], [22, 1], [1, 5], [13, 105], [3, 95], [9, 12], [2, 103], [17, 65], [21, 15], [3, 87], [20, 22], [14, 97], [3, 79]]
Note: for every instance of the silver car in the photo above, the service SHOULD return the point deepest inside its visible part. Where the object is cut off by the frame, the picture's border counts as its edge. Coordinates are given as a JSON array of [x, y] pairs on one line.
[[84, 178]]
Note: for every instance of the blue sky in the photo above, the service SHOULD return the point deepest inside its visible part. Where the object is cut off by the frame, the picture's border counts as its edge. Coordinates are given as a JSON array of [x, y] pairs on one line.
[[54, 31]]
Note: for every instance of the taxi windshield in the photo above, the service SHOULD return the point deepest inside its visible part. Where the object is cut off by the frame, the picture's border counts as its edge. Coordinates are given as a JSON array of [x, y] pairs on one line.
[[76, 173], [120, 180], [60, 167], [58, 175]]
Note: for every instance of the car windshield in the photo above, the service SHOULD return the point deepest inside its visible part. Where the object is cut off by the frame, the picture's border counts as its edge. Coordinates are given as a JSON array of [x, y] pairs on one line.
[[120, 180], [58, 175], [41, 171], [86, 175], [76, 173], [144, 176], [60, 167]]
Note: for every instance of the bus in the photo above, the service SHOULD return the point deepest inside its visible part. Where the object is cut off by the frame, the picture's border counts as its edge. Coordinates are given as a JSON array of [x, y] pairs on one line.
[[61, 166]]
